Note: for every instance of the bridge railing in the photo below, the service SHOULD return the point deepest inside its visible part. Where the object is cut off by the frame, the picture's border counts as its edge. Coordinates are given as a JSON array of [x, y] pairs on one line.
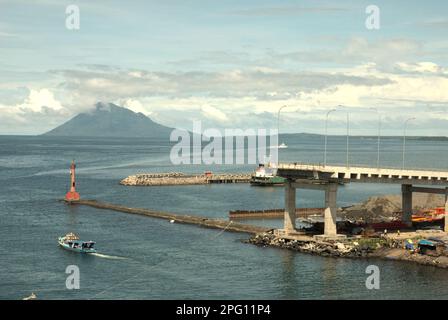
[[321, 166]]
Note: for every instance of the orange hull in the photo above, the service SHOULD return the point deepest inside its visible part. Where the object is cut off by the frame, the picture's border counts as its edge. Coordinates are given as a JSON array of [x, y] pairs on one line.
[[432, 215]]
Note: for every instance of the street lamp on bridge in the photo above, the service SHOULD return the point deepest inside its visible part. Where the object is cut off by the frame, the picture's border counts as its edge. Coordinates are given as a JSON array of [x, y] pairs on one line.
[[278, 131], [326, 128], [326, 132], [379, 136], [404, 138], [278, 120], [348, 132]]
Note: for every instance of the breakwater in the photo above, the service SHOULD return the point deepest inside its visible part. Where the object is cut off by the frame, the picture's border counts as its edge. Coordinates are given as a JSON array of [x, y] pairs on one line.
[[177, 178], [180, 218]]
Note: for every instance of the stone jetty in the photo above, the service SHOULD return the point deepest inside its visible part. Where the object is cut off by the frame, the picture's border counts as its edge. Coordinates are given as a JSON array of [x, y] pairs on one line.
[[203, 221], [177, 178]]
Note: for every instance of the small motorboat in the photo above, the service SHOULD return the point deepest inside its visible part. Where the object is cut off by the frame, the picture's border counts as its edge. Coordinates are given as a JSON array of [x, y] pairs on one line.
[[283, 146], [71, 242], [31, 297]]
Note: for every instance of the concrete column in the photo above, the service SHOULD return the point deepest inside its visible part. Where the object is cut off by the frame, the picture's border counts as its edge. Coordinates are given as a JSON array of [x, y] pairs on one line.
[[446, 209], [406, 203], [330, 210], [290, 207]]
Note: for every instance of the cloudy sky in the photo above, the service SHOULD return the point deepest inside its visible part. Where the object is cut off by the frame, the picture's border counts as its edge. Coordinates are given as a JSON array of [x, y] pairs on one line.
[[231, 64]]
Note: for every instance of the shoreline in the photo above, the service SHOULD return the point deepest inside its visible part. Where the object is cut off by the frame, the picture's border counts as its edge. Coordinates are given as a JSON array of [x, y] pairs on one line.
[[391, 249]]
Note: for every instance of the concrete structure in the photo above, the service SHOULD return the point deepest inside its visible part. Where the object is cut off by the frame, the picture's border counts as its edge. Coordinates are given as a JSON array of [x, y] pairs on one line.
[[72, 195], [327, 178]]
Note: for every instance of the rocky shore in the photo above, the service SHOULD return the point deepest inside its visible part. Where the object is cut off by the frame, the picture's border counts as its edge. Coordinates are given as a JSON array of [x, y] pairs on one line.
[[352, 249], [388, 247]]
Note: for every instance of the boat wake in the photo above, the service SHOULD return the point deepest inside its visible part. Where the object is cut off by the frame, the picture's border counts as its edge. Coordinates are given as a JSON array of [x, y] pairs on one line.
[[105, 256]]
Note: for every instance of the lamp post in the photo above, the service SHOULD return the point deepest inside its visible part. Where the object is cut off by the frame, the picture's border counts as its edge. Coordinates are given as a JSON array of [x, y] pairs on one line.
[[326, 130], [278, 132], [348, 131], [278, 120], [348, 134], [379, 137], [404, 138]]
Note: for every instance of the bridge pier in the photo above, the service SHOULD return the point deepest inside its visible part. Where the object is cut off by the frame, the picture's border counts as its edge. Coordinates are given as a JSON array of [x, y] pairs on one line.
[[446, 210], [406, 203], [330, 190], [290, 207], [330, 210]]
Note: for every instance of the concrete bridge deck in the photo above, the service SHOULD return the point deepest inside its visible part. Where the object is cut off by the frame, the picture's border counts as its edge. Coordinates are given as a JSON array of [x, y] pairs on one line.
[[363, 174]]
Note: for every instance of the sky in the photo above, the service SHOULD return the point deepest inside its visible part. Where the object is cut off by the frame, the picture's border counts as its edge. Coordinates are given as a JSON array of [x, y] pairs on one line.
[[230, 64]]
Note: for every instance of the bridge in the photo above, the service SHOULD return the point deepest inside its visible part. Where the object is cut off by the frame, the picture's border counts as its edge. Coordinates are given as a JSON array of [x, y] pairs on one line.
[[328, 178]]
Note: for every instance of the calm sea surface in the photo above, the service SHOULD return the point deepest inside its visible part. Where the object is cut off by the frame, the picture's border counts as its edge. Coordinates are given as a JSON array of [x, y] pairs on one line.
[[145, 258]]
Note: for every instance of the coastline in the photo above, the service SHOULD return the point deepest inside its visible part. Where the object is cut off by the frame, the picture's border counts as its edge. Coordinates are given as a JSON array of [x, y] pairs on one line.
[[388, 248]]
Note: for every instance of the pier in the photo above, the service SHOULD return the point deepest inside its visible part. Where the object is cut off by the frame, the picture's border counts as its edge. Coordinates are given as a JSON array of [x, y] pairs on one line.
[[328, 178], [180, 218], [176, 178]]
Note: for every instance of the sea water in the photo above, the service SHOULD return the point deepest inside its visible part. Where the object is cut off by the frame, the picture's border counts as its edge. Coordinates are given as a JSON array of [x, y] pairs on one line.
[[146, 258]]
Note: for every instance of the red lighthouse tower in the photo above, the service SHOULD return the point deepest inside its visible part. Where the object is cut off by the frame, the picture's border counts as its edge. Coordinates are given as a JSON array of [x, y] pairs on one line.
[[72, 195]]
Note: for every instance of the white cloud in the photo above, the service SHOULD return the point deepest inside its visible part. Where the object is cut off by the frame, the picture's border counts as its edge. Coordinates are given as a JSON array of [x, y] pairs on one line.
[[38, 112], [421, 67], [214, 113], [134, 105], [39, 99]]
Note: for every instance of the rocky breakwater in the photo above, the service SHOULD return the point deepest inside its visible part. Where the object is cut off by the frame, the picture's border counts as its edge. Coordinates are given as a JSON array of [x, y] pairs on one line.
[[177, 178], [160, 179]]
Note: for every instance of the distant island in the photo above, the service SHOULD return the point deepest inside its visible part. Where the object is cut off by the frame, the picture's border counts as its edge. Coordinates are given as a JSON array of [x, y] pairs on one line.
[[110, 120]]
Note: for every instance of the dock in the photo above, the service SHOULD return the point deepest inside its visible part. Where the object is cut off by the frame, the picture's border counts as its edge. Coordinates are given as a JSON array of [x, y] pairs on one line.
[[177, 178], [179, 218]]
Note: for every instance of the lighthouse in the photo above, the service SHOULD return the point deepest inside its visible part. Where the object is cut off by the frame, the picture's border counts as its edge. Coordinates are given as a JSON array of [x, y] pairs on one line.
[[72, 195]]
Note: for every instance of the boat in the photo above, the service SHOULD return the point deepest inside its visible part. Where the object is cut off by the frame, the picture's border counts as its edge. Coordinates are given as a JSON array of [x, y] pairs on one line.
[[31, 297], [390, 225], [72, 242], [431, 217], [266, 175], [283, 146], [432, 247]]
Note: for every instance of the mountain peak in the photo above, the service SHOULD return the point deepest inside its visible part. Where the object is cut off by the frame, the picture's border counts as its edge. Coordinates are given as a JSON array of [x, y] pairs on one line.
[[109, 107], [110, 120]]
